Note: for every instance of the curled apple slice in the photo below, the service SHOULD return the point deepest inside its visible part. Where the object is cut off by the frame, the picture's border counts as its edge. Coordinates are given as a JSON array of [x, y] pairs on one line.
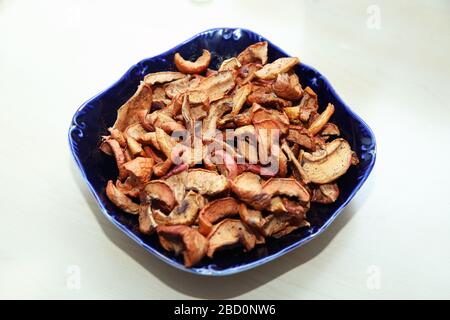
[[328, 164], [286, 187], [159, 190], [287, 87], [230, 64], [128, 113], [255, 53], [120, 199], [281, 65], [183, 240], [163, 77], [229, 232], [247, 186], [206, 182], [196, 66], [185, 213], [214, 211], [326, 193]]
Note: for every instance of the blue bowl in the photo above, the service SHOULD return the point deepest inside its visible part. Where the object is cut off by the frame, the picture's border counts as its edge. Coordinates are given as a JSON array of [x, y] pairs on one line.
[[93, 118]]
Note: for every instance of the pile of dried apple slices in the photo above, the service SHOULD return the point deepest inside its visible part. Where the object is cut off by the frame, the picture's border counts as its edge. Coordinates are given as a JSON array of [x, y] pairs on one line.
[[218, 159]]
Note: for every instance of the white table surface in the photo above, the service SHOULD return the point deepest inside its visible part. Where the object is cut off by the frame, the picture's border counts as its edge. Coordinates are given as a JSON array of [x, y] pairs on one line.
[[392, 241]]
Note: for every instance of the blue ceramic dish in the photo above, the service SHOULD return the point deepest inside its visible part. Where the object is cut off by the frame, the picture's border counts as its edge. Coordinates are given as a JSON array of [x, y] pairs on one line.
[[93, 118]]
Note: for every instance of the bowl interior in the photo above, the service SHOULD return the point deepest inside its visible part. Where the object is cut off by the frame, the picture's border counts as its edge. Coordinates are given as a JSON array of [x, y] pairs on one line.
[[94, 117]]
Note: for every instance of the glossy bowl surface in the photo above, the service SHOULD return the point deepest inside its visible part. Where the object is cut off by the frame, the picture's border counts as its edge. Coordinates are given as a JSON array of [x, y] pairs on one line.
[[93, 118]]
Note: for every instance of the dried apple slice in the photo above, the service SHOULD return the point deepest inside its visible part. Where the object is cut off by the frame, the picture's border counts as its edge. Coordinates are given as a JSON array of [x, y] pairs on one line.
[[330, 129], [282, 205], [129, 188], [216, 111], [128, 113], [165, 142], [206, 182], [163, 77], [287, 87], [176, 182], [281, 65], [149, 138], [286, 187], [160, 169], [119, 156], [186, 212], [261, 116], [278, 226], [176, 170], [301, 137], [177, 87], [246, 73], [225, 163], [321, 120], [308, 105], [134, 131], [214, 87], [325, 193], [252, 218], [269, 99], [134, 147], [293, 114], [140, 170], [120, 199], [161, 119], [247, 144], [118, 136], [214, 211], [197, 66], [230, 64], [239, 98], [147, 223], [159, 190], [230, 232], [291, 157], [247, 186], [183, 240], [326, 165], [255, 53]]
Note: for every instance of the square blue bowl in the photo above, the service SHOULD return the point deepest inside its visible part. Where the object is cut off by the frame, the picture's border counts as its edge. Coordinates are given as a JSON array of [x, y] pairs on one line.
[[93, 118]]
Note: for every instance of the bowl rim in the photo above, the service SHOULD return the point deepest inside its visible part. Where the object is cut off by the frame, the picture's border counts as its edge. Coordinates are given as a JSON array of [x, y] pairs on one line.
[[240, 268]]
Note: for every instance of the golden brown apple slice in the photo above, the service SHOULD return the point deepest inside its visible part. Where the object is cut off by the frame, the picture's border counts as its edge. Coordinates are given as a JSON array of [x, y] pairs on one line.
[[206, 182], [328, 164], [197, 66], [287, 87], [183, 240], [247, 186], [163, 77], [229, 232], [321, 120], [286, 187], [159, 190], [325, 193], [128, 113], [214, 87], [255, 53], [216, 210], [230, 64], [120, 199], [271, 70], [185, 213]]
